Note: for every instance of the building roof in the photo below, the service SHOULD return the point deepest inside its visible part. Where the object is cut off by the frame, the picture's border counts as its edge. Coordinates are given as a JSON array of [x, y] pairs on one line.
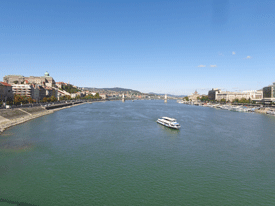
[[14, 75], [5, 84]]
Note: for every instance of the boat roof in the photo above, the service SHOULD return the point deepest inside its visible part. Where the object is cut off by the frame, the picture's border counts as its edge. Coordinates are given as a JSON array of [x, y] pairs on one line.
[[170, 119], [169, 122]]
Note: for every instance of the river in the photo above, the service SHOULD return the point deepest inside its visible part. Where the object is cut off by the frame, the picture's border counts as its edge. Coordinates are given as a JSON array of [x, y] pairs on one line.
[[114, 153]]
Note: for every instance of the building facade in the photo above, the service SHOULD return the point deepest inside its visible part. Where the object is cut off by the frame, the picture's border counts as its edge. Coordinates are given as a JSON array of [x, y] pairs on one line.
[[194, 96], [218, 95], [212, 94], [35, 94], [103, 96], [23, 90], [60, 84], [269, 93], [255, 94], [5, 91], [45, 80]]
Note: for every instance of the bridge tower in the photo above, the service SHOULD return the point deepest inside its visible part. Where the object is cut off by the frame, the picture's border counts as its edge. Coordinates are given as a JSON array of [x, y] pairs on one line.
[[165, 98]]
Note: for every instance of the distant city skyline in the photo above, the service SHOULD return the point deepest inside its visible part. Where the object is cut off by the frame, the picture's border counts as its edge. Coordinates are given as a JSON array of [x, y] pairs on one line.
[[173, 47]]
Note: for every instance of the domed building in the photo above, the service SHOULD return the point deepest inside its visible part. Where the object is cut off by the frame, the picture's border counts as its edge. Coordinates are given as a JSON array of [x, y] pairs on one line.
[[194, 96], [45, 80]]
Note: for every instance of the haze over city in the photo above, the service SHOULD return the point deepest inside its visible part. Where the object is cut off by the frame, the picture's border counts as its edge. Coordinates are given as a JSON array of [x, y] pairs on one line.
[[173, 47]]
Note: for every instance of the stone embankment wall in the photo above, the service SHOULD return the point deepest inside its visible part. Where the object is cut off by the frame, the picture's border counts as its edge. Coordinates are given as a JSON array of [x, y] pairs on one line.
[[12, 117]]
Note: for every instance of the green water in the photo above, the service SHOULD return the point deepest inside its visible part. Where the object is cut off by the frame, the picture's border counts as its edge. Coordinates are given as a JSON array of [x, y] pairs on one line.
[[114, 153]]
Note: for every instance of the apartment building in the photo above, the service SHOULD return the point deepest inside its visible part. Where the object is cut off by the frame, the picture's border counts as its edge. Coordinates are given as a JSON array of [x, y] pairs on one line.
[[5, 91]]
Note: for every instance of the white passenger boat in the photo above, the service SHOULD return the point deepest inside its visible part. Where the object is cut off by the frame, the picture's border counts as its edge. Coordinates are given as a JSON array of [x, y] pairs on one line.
[[169, 122]]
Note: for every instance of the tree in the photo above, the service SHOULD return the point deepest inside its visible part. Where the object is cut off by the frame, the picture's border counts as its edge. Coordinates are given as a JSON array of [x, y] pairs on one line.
[[186, 98], [223, 100], [29, 99], [53, 99], [204, 98], [44, 99], [97, 96], [9, 101], [69, 88], [244, 100], [15, 82]]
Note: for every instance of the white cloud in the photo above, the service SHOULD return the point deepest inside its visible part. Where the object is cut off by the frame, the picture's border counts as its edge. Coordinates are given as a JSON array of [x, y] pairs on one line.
[[213, 65], [248, 57], [233, 53], [201, 65]]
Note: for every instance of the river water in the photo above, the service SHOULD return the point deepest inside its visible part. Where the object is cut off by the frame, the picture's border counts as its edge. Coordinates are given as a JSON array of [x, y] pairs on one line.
[[114, 153]]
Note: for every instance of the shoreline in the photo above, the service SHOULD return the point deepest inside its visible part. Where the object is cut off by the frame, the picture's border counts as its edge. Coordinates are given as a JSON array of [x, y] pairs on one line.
[[249, 108], [6, 123]]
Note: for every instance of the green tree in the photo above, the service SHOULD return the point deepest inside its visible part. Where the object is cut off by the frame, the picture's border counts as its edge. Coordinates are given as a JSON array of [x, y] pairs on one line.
[[69, 88], [53, 99], [44, 99], [186, 98], [244, 100], [223, 100], [204, 98], [97, 96], [9, 101], [29, 99]]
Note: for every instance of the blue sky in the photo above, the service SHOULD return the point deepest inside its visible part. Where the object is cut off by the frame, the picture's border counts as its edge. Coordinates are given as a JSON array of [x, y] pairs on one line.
[[171, 47]]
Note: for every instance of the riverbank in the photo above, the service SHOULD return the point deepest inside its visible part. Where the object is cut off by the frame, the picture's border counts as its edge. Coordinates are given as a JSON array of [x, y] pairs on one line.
[[235, 107], [12, 117]]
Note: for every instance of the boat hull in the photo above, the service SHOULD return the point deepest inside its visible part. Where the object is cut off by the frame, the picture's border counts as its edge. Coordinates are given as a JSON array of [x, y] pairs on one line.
[[169, 126]]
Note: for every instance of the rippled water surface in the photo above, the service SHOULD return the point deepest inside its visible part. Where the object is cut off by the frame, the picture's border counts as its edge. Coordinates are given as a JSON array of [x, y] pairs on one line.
[[115, 153]]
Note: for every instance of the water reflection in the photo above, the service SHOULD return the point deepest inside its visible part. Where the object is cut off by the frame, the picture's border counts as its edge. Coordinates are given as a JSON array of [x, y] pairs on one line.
[[10, 142], [168, 130]]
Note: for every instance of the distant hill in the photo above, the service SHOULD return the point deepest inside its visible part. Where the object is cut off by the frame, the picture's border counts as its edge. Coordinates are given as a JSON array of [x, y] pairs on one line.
[[115, 89], [119, 89], [169, 95]]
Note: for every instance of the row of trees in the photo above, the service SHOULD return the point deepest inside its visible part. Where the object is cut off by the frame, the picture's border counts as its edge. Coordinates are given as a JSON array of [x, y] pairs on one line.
[[69, 88], [90, 96], [205, 98], [242, 100], [18, 100], [49, 99], [67, 97]]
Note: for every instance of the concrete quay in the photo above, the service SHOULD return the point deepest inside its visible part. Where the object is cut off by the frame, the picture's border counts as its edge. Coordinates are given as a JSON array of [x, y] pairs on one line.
[[12, 117]]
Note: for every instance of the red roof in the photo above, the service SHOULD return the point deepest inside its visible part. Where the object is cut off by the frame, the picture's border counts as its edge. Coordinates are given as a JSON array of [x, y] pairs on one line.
[[5, 84]]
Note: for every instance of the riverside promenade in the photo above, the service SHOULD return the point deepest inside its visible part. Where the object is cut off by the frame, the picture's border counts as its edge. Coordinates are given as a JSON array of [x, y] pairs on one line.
[[12, 117]]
